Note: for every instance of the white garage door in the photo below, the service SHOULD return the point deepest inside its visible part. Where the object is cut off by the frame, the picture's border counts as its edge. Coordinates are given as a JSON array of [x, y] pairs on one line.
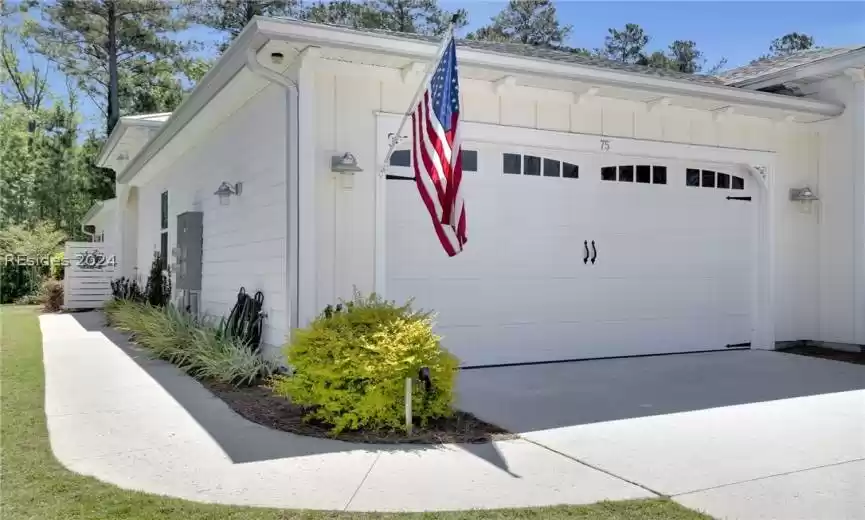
[[672, 268]]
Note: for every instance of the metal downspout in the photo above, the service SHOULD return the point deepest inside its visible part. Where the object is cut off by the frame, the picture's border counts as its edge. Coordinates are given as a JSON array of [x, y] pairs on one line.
[[292, 145]]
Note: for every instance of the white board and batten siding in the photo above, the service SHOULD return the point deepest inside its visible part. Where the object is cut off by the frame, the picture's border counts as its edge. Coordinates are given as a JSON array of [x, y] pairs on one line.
[[90, 267], [244, 241], [350, 100]]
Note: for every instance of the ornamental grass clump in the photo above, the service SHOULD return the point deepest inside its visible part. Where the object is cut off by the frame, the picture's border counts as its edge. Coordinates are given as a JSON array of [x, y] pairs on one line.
[[349, 366], [196, 345]]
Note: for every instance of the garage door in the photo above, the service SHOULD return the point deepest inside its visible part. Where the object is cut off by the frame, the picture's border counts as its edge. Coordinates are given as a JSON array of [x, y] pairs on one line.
[[574, 256]]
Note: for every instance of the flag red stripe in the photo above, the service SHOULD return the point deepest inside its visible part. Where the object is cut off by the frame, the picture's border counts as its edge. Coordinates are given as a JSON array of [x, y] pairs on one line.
[[425, 196], [429, 136]]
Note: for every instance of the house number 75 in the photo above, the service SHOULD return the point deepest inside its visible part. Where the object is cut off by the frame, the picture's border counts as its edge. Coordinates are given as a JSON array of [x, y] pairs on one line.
[[605, 145]]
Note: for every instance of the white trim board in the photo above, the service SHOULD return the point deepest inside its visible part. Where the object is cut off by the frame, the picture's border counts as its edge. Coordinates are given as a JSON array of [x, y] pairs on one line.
[[763, 331]]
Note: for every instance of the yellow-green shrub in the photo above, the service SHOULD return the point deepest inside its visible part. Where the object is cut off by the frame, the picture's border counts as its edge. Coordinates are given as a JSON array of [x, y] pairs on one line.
[[350, 366]]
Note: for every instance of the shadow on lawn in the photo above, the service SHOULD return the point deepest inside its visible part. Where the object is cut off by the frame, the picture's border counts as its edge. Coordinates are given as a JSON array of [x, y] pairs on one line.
[[242, 440]]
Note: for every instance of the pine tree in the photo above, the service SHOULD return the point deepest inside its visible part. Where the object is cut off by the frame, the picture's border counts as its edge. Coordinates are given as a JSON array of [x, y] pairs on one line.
[[104, 44], [407, 16], [532, 22], [790, 43], [231, 16], [626, 45]]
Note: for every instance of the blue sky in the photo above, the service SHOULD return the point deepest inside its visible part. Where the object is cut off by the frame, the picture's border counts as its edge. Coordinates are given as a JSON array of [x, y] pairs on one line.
[[739, 31]]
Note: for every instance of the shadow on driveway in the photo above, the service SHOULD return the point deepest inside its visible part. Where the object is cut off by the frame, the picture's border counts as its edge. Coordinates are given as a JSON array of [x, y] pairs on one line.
[[538, 397]]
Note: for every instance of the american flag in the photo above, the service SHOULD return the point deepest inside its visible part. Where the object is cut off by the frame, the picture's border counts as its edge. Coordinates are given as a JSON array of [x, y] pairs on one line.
[[436, 153]]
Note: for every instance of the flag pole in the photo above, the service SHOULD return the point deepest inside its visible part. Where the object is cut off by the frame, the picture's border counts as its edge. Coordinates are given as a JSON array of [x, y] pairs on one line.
[[430, 68]]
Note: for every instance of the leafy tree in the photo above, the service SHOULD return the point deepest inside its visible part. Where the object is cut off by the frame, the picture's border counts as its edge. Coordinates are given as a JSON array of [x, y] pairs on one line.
[[231, 16], [626, 45], [38, 240], [17, 176], [99, 181], [790, 43], [34, 243], [533, 22], [105, 43], [157, 89], [29, 87]]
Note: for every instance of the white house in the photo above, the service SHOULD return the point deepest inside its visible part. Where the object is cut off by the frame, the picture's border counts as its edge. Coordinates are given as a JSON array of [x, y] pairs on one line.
[[612, 209]]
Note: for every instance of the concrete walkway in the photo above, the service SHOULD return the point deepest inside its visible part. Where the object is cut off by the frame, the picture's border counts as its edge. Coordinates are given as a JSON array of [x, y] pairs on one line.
[[141, 424]]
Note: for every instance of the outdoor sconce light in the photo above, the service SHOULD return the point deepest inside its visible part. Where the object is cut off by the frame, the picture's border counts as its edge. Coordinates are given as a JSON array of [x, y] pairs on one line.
[[803, 194], [344, 164], [226, 190]]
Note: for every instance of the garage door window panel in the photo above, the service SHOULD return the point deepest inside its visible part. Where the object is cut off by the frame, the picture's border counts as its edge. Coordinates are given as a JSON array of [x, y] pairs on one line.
[[552, 168], [401, 158], [626, 174], [738, 183], [659, 175], [470, 160], [608, 173], [531, 165], [570, 171], [708, 179], [692, 177], [512, 163], [644, 174]]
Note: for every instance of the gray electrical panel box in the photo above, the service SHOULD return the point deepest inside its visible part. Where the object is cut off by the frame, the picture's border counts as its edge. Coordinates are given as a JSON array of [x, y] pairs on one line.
[[189, 246]]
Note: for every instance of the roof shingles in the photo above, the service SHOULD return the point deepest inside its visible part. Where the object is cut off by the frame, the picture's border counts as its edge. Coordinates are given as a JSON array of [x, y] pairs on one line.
[[776, 64], [546, 53]]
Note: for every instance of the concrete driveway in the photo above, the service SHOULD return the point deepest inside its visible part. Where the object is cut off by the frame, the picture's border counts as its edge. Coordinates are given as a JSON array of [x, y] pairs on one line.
[[740, 434]]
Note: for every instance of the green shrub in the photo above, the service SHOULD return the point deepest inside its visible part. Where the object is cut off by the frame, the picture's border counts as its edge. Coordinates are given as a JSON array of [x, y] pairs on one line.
[[157, 290], [58, 265], [51, 295], [195, 345], [350, 366]]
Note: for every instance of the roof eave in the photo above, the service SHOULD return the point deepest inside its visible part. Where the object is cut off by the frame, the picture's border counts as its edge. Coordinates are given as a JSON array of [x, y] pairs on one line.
[[113, 138], [231, 62], [92, 212], [260, 29], [97, 208], [313, 34]]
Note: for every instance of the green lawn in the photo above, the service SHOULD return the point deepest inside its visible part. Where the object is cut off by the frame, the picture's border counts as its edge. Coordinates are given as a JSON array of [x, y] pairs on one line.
[[35, 486]]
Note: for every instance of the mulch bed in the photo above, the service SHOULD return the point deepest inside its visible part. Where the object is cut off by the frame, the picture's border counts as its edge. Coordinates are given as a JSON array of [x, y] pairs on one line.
[[827, 353], [259, 405]]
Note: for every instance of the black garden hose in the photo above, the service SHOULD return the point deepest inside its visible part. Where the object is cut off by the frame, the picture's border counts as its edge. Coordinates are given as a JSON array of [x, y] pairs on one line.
[[247, 319]]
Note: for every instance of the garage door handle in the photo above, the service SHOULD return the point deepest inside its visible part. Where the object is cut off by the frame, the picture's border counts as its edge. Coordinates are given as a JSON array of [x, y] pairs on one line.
[[586, 246], [594, 252]]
